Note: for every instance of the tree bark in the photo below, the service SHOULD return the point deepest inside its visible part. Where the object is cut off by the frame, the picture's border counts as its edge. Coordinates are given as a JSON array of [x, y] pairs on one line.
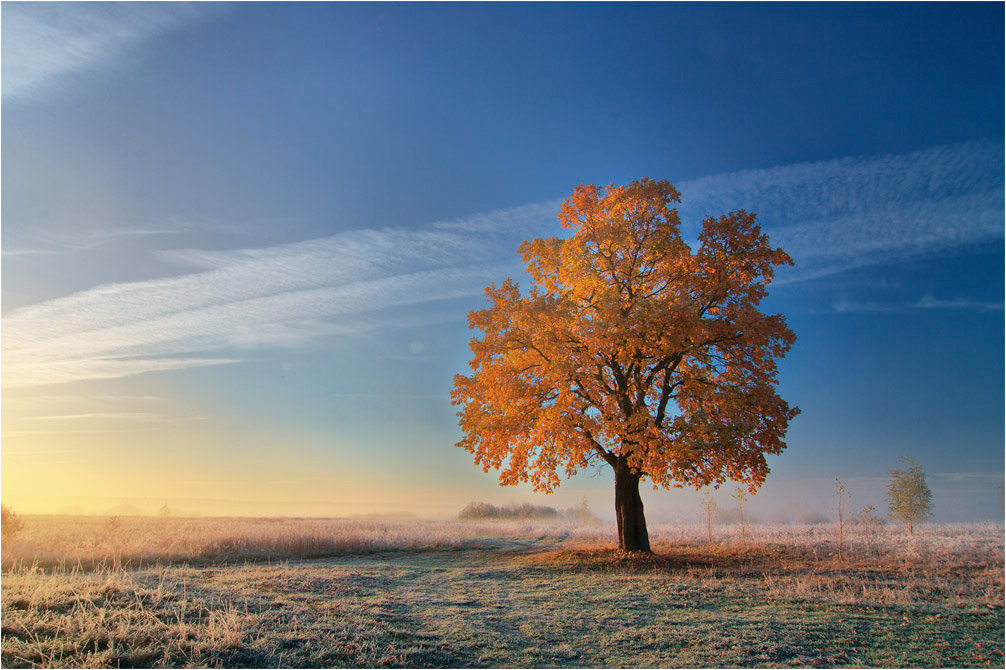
[[632, 535]]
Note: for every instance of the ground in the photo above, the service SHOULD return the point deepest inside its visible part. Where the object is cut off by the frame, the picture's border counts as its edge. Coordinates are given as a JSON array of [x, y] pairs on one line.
[[526, 600]]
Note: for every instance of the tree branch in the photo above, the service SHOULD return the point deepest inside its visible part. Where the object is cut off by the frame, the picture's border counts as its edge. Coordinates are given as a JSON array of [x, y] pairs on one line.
[[608, 457]]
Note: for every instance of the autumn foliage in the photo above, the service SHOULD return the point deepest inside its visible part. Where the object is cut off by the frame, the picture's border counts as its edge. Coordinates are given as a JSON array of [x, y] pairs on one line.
[[630, 348]]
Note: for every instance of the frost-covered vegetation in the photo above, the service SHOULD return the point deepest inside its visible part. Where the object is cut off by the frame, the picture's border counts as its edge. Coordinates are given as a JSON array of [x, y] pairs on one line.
[[10, 523], [480, 511], [88, 542], [497, 594], [484, 510], [113, 618], [49, 541], [370, 593]]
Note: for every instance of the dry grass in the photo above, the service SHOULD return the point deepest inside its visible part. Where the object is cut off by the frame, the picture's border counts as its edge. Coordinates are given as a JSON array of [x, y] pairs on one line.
[[113, 618], [444, 594], [972, 581], [132, 542], [89, 542]]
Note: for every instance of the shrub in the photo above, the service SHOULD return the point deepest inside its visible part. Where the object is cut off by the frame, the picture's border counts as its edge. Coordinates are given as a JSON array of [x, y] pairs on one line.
[[10, 523], [483, 510], [870, 526]]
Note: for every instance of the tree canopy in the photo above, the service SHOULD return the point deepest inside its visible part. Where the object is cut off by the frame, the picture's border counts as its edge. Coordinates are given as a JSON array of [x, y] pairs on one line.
[[909, 498], [631, 348]]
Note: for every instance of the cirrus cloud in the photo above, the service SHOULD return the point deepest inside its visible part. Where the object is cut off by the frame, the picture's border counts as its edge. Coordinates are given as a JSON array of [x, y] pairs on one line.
[[831, 216], [45, 43]]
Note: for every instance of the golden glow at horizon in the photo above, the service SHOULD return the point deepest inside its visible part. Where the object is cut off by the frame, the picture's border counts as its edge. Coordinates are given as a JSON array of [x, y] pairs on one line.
[[59, 454]]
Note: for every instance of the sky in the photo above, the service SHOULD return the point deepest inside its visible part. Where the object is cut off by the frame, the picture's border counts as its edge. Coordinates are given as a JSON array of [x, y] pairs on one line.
[[240, 241]]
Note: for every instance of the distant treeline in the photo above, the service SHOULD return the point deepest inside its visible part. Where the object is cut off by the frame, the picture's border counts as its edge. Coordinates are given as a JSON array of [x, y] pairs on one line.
[[483, 510]]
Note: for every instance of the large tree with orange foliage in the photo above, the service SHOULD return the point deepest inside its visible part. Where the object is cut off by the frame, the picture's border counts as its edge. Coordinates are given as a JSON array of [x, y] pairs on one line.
[[633, 349]]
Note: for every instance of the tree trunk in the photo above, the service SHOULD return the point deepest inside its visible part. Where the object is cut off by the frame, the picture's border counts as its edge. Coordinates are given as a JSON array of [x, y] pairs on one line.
[[632, 535]]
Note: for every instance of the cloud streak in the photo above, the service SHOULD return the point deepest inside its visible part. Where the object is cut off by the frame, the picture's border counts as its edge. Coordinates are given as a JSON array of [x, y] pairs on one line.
[[929, 302], [52, 242], [969, 476], [130, 416], [71, 243], [926, 302], [46, 43], [838, 215], [831, 216], [279, 296]]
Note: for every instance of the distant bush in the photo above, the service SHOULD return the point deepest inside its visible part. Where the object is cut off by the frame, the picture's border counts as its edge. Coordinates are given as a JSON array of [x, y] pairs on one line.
[[10, 523], [482, 510], [474, 511]]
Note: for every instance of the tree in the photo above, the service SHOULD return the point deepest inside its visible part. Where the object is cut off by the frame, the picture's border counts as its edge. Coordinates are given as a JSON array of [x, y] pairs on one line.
[[632, 350], [841, 502], [709, 506], [583, 514], [909, 499], [741, 496]]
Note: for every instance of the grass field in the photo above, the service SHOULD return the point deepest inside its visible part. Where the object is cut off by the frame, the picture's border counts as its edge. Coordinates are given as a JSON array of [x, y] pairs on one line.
[[370, 593]]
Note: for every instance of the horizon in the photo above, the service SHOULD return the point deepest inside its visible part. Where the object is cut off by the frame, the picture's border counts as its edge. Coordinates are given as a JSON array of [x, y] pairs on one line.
[[241, 241]]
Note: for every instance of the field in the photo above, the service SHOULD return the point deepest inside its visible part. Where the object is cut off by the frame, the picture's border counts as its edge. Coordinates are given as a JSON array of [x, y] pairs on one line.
[[136, 592]]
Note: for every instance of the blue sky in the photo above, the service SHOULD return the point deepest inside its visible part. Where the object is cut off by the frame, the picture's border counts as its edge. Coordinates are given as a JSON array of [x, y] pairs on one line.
[[240, 240]]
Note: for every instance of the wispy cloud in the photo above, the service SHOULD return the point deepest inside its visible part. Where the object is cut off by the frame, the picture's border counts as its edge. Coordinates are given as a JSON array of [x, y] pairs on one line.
[[40, 452], [48, 242], [927, 302], [30, 404], [27, 367], [848, 305], [285, 295], [831, 216], [33, 413], [118, 416], [45, 43], [969, 476], [837, 215], [60, 430], [29, 252]]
